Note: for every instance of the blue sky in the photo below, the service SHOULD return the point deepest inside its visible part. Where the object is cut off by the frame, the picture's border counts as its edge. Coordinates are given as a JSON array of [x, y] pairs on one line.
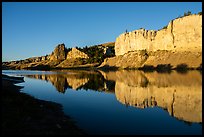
[[32, 29]]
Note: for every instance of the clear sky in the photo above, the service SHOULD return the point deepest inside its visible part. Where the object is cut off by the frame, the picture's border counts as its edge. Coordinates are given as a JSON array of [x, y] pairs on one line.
[[31, 29]]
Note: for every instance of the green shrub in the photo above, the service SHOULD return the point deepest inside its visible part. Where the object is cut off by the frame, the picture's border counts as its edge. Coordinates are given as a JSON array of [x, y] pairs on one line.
[[200, 13], [165, 27], [187, 13]]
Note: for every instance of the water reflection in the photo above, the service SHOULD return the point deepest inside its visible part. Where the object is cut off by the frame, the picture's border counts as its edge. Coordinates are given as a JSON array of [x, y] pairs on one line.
[[178, 93], [77, 80]]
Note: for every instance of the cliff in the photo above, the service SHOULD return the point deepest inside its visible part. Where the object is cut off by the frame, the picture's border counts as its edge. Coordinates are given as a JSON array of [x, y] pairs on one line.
[[182, 34], [179, 44]]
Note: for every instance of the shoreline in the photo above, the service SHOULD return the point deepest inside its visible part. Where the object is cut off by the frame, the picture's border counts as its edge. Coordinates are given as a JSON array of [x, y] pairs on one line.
[[23, 114], [164, 68]]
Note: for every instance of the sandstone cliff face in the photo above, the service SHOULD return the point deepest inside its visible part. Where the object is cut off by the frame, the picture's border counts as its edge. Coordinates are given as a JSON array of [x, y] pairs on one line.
[[182, 34], [75, 53], [136, 40], [179, 44]]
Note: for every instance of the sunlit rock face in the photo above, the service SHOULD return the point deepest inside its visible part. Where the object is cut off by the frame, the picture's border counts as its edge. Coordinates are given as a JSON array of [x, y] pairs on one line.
[[179, 94], [182, 34], [179, 43], [136, 40], [75, 53]]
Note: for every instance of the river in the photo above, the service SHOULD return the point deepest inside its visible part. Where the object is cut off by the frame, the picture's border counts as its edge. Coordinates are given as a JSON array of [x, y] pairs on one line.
[[122, 102]]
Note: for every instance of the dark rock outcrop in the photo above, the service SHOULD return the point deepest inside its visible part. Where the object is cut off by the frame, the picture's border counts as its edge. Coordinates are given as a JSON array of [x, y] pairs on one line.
[[60, 53]]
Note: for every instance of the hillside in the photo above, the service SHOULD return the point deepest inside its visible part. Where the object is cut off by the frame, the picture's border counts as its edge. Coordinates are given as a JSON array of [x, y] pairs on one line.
[[63, 57]]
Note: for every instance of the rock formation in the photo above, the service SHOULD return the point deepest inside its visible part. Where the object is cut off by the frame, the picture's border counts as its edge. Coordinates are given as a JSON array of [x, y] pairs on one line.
[[182, 34], [179, 43], [74, 59], [59, 53], [60, 57], [75, 53]]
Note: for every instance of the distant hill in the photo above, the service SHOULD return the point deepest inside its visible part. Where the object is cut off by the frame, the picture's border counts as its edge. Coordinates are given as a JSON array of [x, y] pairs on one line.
[[63, 57], [108, 44]]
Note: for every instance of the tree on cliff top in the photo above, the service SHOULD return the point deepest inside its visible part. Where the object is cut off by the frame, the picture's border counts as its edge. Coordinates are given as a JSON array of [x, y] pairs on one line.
[[187, 13], [200, 13]]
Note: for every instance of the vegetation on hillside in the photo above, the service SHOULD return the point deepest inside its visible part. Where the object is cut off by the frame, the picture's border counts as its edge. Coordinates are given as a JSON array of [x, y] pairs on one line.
[[200, 13], [96, 53]]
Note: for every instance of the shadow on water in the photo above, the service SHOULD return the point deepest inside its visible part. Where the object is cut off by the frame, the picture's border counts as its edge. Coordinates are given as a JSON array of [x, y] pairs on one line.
[[180, 94]]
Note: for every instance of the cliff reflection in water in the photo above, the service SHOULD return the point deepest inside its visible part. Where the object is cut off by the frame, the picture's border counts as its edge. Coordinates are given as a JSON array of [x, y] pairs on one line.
[[179, 94], [77, 80]]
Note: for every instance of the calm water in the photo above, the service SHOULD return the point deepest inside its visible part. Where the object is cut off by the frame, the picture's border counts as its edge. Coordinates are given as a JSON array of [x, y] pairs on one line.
[[122, 102]]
